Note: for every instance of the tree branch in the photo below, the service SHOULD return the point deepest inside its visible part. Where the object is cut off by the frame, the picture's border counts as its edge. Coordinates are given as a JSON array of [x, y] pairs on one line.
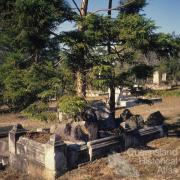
[[53, 33], [117, 8], [77, 7]]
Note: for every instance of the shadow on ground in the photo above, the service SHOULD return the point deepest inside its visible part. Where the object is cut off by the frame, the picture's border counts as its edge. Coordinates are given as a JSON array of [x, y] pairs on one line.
[[174, 128]]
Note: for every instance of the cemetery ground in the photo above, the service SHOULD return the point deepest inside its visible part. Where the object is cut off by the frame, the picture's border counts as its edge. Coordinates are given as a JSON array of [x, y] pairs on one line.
[[158, 160]]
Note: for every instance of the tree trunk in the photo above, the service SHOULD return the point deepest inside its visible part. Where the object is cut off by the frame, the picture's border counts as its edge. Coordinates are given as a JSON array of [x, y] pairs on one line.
[[112, 85], [81, 75], [81, 83], [84, 6], [109, 7]]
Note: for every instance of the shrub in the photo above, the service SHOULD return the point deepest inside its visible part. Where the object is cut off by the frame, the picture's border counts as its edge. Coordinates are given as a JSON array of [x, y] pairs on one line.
[[72, 105], [36, 111], [51, 116]]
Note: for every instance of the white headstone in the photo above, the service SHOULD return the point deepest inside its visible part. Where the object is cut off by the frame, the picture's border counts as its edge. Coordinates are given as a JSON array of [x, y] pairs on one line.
[[156, 78], [164, 76]]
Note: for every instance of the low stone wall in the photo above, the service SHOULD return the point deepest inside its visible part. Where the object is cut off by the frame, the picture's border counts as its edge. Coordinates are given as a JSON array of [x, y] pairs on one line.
[[77, 154], [4, 131], [102, 147], [40, 160], [55, 157], [142, 136]]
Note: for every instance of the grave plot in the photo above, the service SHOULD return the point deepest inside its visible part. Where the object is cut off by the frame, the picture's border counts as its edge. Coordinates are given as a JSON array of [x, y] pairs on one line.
[[126, 98], [49, 155]]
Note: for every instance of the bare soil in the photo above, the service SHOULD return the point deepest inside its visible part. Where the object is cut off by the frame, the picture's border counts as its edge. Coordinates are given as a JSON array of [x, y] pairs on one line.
[[8, 119], [41, 137]]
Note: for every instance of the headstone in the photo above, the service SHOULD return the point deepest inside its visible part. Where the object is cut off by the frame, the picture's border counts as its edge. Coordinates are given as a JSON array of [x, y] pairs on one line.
[[156, 78], [164, 76]]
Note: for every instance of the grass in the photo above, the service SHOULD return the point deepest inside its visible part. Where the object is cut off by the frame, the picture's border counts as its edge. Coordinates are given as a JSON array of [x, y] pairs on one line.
[[163, 93]]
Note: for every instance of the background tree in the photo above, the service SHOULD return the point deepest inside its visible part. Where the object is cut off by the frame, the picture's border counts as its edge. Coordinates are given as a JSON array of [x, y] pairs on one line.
[[30, 49], [126, 34]]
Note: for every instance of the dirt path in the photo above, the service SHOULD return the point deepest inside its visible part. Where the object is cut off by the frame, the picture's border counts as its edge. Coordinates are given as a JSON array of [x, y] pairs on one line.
[[169, 107]]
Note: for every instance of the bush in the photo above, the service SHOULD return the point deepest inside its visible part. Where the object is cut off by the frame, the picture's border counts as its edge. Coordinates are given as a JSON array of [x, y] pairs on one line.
[[72, 105], [36, 111], [51, 116]]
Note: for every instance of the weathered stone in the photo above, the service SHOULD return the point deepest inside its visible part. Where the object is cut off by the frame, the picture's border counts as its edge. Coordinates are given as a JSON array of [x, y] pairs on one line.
[[164, 77], [126, 114], [156, 78], [92, 129], [53, 128], [77, 153], [102, 147], [3, 147], [4, 131], [55, 156], [78, 131], [14, 135], [45, 160], [145, 101], [101, 110], [47, 130], [134, 122], [89, 115], [155, 119]]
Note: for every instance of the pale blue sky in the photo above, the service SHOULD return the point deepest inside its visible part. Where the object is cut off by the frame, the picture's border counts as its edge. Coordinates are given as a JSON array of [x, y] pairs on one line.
[[166, 13]]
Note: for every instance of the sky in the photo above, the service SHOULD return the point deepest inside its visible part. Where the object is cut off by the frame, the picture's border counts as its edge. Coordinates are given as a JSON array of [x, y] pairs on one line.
[[165, 13]]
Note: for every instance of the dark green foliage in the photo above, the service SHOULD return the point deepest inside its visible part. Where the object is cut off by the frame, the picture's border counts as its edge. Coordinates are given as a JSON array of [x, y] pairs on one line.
[[135, 30], [171, 67], [142, 71], [29, 51], [165, 45], [37, 82], [37, 111], [132, 6], [36, 20]]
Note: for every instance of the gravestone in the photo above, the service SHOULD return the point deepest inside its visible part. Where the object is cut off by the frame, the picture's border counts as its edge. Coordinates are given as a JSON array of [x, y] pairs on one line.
[[164, 77], [156, 78]]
